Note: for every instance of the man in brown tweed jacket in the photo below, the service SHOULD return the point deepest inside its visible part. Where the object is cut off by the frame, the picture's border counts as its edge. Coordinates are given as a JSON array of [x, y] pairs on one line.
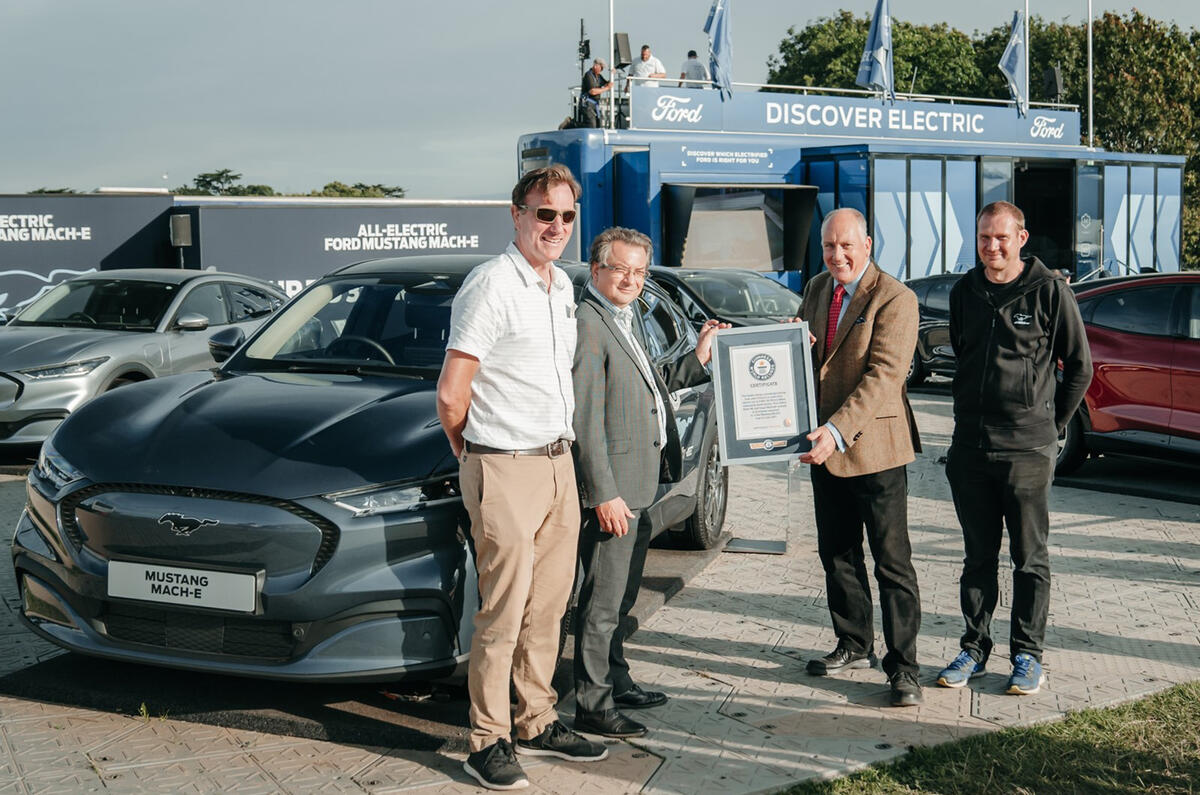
[[865, 324]]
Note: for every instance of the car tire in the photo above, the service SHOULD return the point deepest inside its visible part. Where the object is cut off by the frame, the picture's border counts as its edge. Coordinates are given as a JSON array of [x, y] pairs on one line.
[[1071, 448], [703, 528], [916, 371]]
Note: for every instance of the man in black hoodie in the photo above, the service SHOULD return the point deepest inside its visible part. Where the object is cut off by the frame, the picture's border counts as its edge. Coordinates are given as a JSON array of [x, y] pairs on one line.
[[1012, 320]]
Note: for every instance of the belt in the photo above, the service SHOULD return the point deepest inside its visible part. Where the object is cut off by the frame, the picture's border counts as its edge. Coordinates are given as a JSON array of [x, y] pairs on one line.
[[554, 449]]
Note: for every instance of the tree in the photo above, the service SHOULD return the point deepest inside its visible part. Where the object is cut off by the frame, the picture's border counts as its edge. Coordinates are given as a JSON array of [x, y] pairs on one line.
[[360, 190], [212, 183], [227, 182], [827, 52], [251, 190], [1053, 44], [53, 190], [1146, 90]]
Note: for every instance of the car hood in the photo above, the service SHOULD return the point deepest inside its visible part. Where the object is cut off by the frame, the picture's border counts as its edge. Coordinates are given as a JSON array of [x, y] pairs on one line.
[[22, 347], [281, 435]]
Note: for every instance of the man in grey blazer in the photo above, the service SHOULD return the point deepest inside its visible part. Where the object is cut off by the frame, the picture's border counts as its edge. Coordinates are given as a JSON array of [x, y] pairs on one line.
[[625, 443]]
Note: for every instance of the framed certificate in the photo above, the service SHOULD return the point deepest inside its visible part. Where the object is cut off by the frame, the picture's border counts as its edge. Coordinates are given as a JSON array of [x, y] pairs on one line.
[[766, 403]]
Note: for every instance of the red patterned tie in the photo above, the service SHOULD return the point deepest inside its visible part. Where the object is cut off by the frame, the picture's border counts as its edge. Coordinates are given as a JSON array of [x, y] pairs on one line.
[[835, 309]]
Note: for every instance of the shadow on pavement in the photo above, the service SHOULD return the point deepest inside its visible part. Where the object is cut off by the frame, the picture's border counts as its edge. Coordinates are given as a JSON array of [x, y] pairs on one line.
[[420, 717]]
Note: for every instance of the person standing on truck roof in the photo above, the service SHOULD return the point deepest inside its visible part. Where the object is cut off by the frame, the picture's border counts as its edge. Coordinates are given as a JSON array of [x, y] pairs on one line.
[[595, 85], [647, 68]]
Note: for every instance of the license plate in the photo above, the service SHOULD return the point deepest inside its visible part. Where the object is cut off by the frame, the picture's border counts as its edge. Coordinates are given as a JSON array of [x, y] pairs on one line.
[[220, 590]]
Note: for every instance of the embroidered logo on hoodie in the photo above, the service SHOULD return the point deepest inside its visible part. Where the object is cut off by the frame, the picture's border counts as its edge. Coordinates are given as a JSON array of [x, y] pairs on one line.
[[1021, 319]]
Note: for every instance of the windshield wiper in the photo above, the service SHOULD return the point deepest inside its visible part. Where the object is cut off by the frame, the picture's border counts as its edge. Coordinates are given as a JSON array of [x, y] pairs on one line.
[[362, 368]]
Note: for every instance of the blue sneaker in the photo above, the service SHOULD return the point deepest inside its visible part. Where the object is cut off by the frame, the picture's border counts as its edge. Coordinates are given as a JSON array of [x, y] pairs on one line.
[[960, 670], [1027, 676]]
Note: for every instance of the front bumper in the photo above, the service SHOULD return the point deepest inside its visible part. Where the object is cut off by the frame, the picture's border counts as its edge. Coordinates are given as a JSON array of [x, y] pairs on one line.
[[389, 603]]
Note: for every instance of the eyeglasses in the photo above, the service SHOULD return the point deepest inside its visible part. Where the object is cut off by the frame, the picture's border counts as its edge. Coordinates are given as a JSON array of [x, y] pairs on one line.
[[622, 271], [547, 215]]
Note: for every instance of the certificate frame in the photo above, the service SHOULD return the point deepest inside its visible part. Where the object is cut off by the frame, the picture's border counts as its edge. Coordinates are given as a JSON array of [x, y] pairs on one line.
[[765, 396]]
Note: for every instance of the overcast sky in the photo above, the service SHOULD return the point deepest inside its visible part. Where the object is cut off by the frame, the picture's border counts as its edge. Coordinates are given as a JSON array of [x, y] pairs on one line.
[[296, 93]]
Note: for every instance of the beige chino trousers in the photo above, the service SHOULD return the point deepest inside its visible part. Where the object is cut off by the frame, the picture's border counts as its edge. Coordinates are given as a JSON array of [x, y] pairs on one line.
[[525, 524]]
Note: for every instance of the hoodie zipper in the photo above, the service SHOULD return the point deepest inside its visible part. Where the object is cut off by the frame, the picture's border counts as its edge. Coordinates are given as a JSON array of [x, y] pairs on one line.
[[984, 370]]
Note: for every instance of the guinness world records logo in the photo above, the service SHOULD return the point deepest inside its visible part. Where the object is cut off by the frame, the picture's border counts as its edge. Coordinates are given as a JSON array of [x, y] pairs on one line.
[[762, 366]]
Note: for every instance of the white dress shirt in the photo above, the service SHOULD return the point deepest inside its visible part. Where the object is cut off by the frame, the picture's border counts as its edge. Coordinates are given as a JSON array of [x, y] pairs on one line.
[[624, 318]]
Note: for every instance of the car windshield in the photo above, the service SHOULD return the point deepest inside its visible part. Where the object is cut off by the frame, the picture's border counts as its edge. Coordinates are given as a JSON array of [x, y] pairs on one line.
[[395, 324], [743, 295], [124, 304]]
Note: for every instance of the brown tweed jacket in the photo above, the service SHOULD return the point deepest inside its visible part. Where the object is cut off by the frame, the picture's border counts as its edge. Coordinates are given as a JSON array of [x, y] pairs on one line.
[[860, 380]]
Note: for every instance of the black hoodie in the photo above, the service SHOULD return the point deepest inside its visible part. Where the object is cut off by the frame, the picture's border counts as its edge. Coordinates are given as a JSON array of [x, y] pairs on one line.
[[1009, 341]]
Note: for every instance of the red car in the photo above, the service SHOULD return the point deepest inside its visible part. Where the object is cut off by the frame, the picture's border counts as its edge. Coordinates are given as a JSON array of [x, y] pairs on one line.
[[1144, 399]]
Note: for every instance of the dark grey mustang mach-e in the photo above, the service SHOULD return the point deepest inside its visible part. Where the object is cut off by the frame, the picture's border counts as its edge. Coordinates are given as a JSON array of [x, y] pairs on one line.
[[294, 514]]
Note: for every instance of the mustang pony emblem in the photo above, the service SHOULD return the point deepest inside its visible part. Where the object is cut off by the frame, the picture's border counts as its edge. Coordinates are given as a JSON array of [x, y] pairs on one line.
[[184, 525]]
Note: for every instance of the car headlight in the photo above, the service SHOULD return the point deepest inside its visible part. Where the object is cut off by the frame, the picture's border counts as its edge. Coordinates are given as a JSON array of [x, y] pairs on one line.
[[64, 370], [55, 469], [395, 498]]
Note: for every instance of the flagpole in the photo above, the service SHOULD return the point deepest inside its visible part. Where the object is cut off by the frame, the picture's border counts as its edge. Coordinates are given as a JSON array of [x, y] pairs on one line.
[[1091, 128], [1028, 52], [612, 69]]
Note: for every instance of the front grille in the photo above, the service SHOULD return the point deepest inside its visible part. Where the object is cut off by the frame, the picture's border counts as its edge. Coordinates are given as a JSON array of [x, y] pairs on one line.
[[329, 531], [232, 635]]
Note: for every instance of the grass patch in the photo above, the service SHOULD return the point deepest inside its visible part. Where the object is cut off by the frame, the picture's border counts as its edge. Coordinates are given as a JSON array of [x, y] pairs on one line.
[[1148, 746]]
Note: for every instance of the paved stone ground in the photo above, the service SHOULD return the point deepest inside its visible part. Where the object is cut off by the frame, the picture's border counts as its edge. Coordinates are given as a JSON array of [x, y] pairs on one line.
[[730, 650]]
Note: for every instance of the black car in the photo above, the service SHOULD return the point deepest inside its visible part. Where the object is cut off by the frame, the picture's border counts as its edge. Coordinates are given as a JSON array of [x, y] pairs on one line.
[[933, 354], [734, 296], [295, 514]]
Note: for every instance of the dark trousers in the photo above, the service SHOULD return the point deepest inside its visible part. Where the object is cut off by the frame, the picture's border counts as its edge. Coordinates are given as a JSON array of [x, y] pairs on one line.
[[612, 576], [993, 490], [879, 503], [589, 114]]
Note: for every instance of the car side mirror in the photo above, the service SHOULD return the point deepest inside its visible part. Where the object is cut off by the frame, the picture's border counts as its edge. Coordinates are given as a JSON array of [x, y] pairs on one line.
[[192, 321], [222, 344]]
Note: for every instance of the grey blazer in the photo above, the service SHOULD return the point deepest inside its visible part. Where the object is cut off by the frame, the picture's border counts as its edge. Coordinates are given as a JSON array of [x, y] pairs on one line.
[[617, 449]]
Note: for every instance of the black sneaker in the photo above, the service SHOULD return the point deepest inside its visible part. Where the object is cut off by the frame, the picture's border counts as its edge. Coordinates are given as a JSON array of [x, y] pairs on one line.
[[906, 690], [558, 740], [841, 659], [495, 767]]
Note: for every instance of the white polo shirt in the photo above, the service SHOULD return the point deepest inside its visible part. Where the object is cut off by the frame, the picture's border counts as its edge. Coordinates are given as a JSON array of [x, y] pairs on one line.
[[524, 338], [646, 68]]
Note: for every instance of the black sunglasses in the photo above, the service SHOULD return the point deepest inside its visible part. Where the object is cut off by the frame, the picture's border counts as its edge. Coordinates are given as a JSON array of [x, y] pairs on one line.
[[547, 215]]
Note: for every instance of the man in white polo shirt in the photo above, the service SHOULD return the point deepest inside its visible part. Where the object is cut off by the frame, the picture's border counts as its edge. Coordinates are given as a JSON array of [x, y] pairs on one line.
[[647, 68], [506, 402]]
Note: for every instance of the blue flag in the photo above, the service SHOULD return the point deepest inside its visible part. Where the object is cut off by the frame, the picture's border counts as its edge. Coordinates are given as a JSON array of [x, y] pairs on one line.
[[875, 67], [720, 51], [1012, 63]]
